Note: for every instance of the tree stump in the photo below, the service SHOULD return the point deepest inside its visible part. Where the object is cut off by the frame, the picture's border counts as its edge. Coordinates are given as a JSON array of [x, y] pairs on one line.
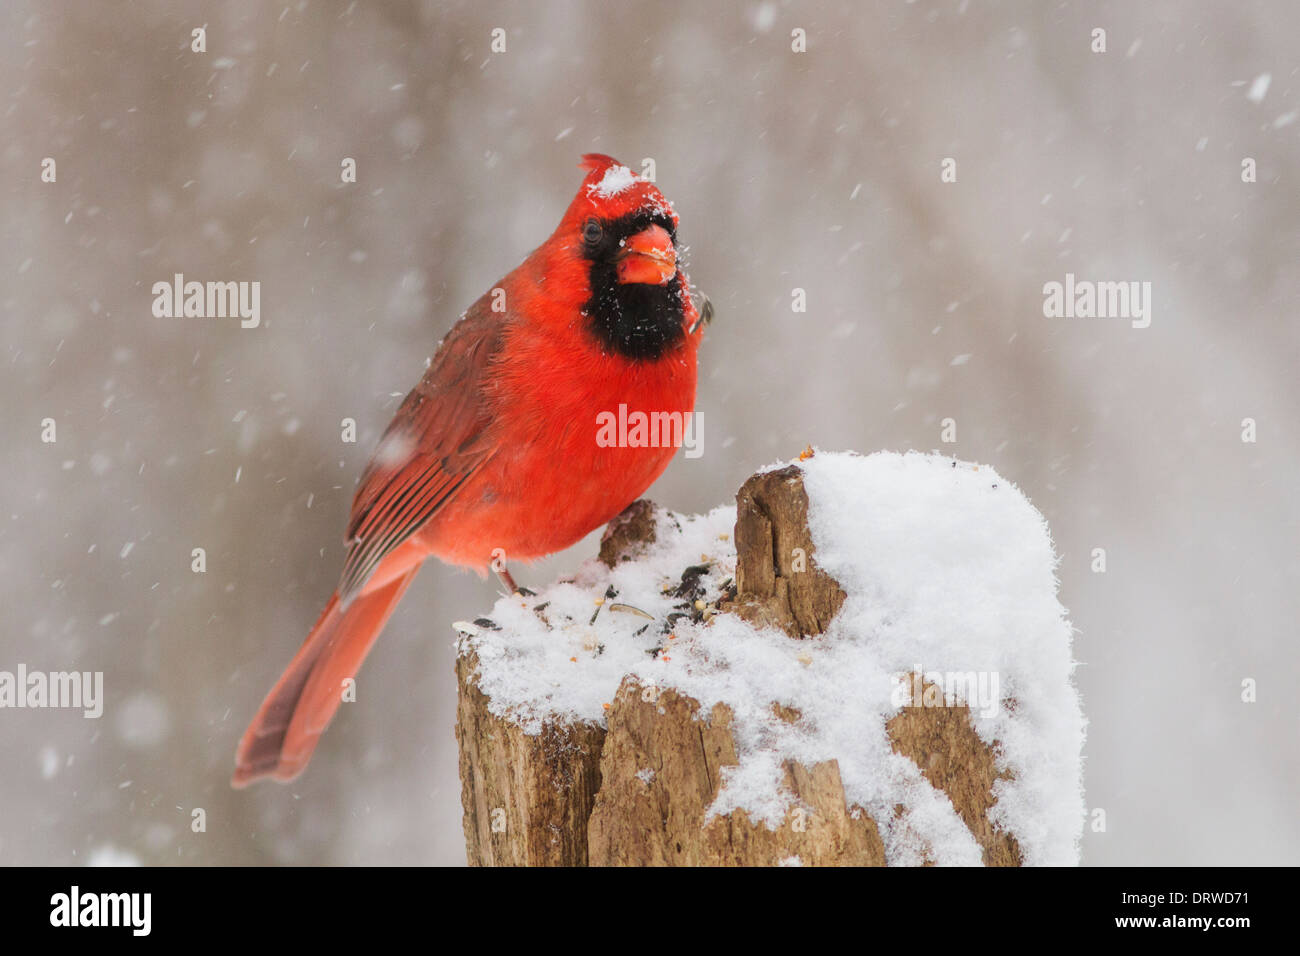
[[638, 791]]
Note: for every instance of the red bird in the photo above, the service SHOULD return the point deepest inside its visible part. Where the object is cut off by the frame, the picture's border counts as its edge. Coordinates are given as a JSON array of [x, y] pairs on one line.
[[494, 455]]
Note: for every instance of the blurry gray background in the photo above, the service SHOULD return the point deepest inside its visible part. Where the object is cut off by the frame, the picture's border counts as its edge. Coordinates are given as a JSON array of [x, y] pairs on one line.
[[817, 170]]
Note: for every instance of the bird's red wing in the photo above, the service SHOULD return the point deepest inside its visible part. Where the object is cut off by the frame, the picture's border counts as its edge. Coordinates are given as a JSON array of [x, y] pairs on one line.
[[439, 437]]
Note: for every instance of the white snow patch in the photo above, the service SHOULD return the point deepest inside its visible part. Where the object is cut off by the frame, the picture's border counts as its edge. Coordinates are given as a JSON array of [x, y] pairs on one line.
[[109, 855], [617, 179], [1259, 88], [395, 448], [948, 568], [143, 720], [49, 763]]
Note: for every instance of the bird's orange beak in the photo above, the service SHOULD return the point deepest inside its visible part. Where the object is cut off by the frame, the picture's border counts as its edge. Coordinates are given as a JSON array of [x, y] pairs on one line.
[[648, 257]]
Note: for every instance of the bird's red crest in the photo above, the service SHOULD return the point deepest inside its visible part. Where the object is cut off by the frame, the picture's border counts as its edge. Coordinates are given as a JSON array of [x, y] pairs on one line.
[[597, 162], [612, 189]]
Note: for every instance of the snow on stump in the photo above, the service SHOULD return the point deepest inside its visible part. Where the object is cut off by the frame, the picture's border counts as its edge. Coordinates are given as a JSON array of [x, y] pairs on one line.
[[862, 663]]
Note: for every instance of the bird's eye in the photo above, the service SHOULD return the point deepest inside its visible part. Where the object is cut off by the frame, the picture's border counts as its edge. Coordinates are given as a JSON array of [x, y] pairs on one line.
[[592, 232]]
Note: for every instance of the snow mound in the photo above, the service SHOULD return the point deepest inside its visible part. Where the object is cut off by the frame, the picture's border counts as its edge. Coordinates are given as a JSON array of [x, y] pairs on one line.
[[949, 571]]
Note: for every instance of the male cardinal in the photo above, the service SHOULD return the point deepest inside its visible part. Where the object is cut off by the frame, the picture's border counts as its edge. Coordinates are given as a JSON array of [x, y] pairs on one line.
[[494, 455]]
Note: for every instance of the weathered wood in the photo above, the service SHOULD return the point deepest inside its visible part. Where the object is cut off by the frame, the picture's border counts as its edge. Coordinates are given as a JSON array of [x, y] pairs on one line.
[[662, 769], [950, 754], [526, 799], [638, 794], [778, 582], [628, 534]]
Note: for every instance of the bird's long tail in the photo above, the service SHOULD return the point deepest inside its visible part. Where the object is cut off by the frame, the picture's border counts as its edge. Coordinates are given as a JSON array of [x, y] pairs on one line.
[[280, 740]]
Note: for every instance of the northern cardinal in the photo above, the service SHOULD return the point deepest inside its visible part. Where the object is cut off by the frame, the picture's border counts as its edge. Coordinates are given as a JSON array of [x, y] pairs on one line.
[[494, 456]]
